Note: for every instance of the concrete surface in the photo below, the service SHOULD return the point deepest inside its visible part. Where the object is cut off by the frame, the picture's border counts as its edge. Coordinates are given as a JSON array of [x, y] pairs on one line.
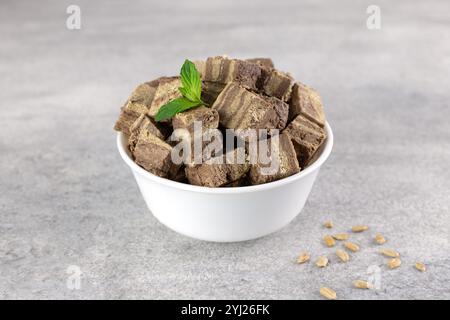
[[66, 198]]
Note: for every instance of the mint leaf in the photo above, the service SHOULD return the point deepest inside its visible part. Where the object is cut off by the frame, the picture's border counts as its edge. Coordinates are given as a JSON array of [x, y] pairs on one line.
[[191, 82], [173, 107], [186, 94], [191, 90]]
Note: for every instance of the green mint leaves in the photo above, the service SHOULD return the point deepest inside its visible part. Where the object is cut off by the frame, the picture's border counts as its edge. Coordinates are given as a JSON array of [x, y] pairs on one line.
[[190, 79], [175, 106], [191, 90]]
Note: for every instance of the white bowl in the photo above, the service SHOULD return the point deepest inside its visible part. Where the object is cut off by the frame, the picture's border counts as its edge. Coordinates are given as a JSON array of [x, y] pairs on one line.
[[226, 214]]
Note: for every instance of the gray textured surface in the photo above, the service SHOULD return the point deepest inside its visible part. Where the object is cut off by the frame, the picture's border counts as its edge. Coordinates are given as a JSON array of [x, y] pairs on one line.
[[66, 198]]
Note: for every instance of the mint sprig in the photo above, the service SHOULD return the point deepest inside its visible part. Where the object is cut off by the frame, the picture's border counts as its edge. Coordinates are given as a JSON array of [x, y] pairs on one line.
[[191, 90], [175, 106], [190, 79]]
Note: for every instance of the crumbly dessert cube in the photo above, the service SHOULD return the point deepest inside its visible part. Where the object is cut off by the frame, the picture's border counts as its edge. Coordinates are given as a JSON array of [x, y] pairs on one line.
[[241, 182], [307, 137], [306, 101], [282, 162], [206, 133], [137, 104], [281, 109], [200, 66], [240, 108], [166, 91], [210, 91], [263, 62], [144, 92], [154, 155], [222, 69], [128, 115], [185, 120], [210, 174], [180, 176], [144, 122], [276, 84]]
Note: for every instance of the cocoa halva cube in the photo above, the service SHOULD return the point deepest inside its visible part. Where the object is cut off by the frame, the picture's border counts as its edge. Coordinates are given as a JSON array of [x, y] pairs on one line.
[[241, 182], [154, 155], [210, 91], [144, 122], [263, 62], [137, 104], [145, 92], [281, 109], [240, 108], [234, 165], [180, 176], [307, 102], [128, 115], [200, 66], [276, 84], [222, 69], [207, 116], [280, 162], [307, 137], [166, 91]]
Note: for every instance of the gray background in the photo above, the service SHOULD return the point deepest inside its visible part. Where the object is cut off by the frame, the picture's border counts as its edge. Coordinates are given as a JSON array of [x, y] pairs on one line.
[[66, 197]]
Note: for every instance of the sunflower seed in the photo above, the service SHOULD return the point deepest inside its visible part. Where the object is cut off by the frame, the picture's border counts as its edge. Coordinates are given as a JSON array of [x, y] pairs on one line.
[[420, 266], [328, 224], [328, 293], [359, 228], [342, 255], [389, 253], [304, 257], [380, 239], [341, 236], [322, 262], [394, 263], [351, 246], [329, 241], [361, 284]]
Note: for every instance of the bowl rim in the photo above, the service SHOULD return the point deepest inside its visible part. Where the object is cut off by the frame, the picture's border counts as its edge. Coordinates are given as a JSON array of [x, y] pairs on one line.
[[229, 190]]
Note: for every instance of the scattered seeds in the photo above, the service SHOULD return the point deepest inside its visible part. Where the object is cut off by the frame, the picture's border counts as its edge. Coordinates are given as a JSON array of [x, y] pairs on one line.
[[361, 284], [328, 293], [342, 255], [341, 236], [328, 224], [389, 253], [322, 262], [360, 228], [380, 239], [329, 241], [420, 266], [351, 246], [394, 263], [304, 257]]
